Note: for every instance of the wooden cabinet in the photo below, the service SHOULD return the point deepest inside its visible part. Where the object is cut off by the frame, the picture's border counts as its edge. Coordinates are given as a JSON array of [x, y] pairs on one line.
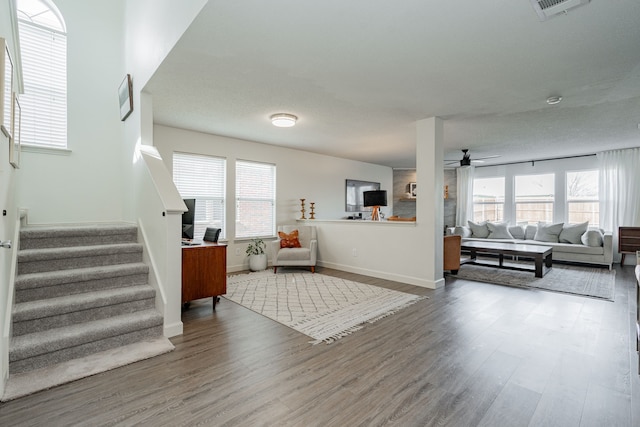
[[628, 241], [204, 271]]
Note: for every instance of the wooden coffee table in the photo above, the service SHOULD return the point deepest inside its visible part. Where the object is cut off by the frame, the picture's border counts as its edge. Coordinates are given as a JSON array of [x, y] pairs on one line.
[[541, 255]]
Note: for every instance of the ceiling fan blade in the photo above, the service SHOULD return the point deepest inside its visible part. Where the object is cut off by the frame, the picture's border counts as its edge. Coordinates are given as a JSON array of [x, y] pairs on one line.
[[487, 157]]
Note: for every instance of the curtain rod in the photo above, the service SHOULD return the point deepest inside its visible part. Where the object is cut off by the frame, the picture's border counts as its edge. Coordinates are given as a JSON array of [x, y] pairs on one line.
[[539, 160]]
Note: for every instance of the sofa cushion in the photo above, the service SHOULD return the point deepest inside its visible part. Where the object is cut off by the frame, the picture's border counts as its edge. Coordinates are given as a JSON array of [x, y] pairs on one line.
[[498, 230], [479, 229], [530, 231], [571, 233], [548, 232], [463, 231], [517, 231], [592, 238]]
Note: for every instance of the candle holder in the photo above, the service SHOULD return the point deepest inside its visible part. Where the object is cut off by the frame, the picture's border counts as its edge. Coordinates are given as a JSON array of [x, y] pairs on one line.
[[312, 214], [302, 209]]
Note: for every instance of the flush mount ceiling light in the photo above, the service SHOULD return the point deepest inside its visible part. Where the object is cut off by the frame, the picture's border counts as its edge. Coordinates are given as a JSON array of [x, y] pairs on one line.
[[283, 120], [553, 100]]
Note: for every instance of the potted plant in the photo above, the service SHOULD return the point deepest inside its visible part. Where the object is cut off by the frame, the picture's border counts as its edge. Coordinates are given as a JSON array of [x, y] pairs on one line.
[[257, 255]]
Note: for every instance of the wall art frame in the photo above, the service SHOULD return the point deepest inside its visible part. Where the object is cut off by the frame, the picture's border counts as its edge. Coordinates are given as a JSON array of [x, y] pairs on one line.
[[16, 126], [125, 95], [6, 88], [412, 190]]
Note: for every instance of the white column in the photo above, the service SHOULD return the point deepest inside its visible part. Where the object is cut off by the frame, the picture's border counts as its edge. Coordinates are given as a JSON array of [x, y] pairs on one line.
[[430, 195]]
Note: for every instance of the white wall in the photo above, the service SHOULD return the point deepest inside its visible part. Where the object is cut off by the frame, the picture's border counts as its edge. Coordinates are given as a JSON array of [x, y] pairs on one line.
[[84, 184], [557, 167], [300, 174]]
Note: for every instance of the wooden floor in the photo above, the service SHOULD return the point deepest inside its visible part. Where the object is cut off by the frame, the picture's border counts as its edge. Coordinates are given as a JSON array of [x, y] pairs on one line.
[[472, 354]]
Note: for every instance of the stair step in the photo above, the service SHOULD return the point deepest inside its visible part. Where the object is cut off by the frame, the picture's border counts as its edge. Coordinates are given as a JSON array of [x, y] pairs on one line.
[[39, 349], [53, 259], [37, 316], [52, 284], [34, 237]]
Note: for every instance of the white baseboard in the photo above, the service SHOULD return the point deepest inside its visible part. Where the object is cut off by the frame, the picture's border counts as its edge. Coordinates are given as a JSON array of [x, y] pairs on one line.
[[416, 281]]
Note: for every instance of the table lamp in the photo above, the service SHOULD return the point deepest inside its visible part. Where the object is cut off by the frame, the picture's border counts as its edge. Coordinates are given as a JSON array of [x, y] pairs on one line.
[[375, 199]]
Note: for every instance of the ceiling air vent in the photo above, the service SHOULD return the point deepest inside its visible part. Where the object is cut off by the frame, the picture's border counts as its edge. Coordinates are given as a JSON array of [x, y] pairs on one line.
[[548, 8]]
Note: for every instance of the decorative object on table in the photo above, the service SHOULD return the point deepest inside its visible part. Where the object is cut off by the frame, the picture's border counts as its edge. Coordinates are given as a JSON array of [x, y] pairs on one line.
[[412, 190], [375, 199], [296, 246], [302, 210], [14, 143], [125, 95], [6, 88], [322, 307], [257, 255], [596, 282], [312, 214]]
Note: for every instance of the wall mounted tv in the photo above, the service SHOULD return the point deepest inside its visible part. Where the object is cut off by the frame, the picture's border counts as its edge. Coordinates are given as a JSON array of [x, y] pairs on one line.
[[188, 219], [354, 200]]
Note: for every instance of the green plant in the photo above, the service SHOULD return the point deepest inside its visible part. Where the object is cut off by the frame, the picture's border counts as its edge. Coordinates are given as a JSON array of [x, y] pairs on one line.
[[256, 247]]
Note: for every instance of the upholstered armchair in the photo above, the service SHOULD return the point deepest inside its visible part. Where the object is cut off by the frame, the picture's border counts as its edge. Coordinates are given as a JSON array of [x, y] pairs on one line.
[[451, 253], [296, 246]]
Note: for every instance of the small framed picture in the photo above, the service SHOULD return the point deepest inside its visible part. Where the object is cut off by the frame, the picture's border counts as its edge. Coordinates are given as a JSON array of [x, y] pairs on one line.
[[125, 94], [14, 143], [412, 190], [6, 88]]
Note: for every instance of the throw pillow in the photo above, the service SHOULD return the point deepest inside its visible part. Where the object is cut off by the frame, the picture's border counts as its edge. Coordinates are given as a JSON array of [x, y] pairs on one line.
[[517, 231], [530, 232], [498, 231], [479, 230], [462, 231], [548, 232], [289, 240], [592, 238], [572, 233]]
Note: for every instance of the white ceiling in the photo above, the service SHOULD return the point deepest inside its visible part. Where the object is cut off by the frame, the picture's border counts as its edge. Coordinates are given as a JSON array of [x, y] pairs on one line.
[[360, 73]]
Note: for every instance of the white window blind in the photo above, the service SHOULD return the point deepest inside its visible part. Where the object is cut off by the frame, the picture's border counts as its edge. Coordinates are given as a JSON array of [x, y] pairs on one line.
[[44, 70], [255, 199], [202, 178]]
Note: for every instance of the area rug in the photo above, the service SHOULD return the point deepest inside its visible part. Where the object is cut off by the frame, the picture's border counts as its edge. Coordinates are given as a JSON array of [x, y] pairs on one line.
[[596, 282], [322, 307]]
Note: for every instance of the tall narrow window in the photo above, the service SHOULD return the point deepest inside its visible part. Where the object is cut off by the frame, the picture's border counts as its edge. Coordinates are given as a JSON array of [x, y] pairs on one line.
[[488, 199], [43, 48], [534, 198], [202, 178], [256, 199], [583, 197]]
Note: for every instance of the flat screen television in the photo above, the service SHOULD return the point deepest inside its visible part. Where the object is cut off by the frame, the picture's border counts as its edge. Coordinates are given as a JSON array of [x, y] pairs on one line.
[[354, 199], [188, 219]]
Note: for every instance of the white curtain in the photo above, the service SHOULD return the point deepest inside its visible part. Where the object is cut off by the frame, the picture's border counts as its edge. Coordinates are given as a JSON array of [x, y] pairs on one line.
[[619, 191], [464, 206]]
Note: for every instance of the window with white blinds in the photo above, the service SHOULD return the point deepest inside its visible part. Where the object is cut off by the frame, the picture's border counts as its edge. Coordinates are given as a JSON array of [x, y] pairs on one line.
[[43, 48], [255, 199], [202, 178]]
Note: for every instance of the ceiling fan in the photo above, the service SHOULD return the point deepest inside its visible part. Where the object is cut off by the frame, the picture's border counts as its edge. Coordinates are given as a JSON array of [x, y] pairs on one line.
[[467, 160]]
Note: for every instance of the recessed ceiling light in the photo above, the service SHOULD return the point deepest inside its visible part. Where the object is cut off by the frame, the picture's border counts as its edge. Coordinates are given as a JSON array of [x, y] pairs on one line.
[[553, 100], [283, 120]]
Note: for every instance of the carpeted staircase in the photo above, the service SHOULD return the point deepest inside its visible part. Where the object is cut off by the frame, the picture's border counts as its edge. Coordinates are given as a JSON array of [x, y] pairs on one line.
[[79, 291]]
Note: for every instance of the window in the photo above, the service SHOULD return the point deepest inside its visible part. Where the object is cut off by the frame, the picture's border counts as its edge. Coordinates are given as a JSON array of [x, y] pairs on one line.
[[256, 199], [534, 198], [583, 197], [43, 48], [202, 178], [488, 199]]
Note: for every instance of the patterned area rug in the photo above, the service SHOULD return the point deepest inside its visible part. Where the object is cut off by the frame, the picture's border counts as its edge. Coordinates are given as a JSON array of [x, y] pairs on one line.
[[596, 282], [322, 307]]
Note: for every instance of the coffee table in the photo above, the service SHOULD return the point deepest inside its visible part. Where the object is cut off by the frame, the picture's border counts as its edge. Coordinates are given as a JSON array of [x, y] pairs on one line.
[[541, 255]]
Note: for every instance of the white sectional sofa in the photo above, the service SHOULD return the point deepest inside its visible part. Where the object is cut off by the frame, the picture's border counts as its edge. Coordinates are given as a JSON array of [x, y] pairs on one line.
[[571, 242]]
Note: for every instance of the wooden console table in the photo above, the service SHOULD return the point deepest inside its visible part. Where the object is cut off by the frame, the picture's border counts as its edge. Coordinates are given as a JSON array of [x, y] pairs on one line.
[[204, 272], [628, 241]]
